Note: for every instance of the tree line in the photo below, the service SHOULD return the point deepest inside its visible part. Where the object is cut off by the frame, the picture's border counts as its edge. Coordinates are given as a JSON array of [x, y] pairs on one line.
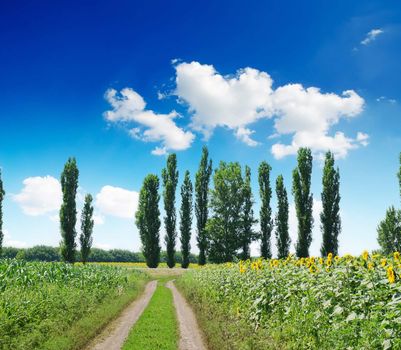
[[225, 219]]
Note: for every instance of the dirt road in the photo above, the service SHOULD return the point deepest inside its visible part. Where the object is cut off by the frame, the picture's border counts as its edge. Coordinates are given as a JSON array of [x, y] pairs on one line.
[[112, 338], [190, 334]]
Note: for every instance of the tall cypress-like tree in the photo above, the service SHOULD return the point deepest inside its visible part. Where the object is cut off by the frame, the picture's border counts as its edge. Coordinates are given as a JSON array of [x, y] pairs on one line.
[[87, 224], [303, 201], [2, 194], [224, 229], [202, 179], [266, 221], [399, 176], [170, 180], [248, 235], [186, 219], [330, 215], [283, 240], [68, 210], [148, 220]]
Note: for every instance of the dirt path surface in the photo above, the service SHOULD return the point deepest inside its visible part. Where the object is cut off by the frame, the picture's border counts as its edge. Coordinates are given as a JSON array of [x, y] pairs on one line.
[[190, 334], [113, 337]]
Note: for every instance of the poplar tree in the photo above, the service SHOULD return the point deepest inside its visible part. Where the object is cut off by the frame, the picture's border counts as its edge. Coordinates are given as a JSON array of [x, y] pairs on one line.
[[399, 176], [330, 215], [68, 210], [2, 194], [303, 201], [186, 219], [87, 224], [202, 179], [170, 180], [224, 229], [148, 220], [248, 235], [266, 221], [389, 229], [283, 240]]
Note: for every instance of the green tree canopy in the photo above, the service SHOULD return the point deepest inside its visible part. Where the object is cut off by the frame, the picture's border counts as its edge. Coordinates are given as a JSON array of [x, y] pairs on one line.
[[266, 221], [283, 240], [186, 219], [202, 179], [303, 201], [330, 215], [148, 220], [68, 210], [170, 180], [87, 224]]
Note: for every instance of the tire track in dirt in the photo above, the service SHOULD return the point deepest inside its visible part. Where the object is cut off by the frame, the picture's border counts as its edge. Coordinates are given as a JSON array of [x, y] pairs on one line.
[[190, 334], [113, 337]]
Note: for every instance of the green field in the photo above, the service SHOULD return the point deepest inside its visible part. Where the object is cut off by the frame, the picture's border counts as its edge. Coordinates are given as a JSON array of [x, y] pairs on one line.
[[60, 306]]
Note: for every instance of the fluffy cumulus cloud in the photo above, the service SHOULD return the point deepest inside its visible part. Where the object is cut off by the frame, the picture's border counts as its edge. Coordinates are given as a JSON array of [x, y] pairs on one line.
[[128, 106], [371, 36], [39, 196], [117, 201], [237, 101], [227, 101]]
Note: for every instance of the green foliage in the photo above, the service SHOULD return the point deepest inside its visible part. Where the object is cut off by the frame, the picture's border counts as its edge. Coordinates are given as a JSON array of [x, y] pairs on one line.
[[2, 194], [68, 210], [303, 201], [148, 220], [247, 235], [389, 231], [399, 176], [170, 180], [303, 303], [266, 221], [224, 229], [202, 179], [186, 219], [87, 223], [283, 240], [40, 301], [330, 215], [157, 327]]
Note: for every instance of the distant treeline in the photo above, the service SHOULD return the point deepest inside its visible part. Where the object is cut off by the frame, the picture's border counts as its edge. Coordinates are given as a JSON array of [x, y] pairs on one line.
[[47, 253]]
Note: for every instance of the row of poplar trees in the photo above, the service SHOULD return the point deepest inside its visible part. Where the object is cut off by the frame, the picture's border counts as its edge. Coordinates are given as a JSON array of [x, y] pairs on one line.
[[225, 220]]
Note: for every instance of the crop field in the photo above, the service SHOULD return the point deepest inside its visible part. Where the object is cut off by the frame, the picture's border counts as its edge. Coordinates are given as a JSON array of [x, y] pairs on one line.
[[309, 303], [41, 303]]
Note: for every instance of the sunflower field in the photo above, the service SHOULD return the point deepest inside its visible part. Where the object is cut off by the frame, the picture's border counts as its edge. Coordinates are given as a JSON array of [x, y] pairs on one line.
[[309, 303]]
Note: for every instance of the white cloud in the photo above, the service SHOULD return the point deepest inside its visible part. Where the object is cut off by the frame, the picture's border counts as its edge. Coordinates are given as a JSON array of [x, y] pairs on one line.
[[116, 201], [371, 36], [103, 246], [385, 99], [237, 101], [39, 196], [129, 106], [244, 135], [215, 100], [308, 114], [9, 242]]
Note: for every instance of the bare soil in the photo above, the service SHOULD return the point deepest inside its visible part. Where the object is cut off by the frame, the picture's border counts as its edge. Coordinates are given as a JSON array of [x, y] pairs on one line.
[[114, 335], [190, 334]]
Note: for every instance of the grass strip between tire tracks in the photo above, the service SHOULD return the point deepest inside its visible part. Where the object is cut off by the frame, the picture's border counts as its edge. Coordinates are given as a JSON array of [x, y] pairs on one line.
[[157, 328]]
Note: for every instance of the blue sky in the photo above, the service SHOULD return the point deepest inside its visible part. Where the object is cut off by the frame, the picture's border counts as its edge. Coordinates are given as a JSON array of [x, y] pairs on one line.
[[113, 82]]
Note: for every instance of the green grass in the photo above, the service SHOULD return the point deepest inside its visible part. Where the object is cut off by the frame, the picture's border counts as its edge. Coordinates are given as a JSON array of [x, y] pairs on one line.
[[157, 327], [60, 306], [222, 329], [88, 327]]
